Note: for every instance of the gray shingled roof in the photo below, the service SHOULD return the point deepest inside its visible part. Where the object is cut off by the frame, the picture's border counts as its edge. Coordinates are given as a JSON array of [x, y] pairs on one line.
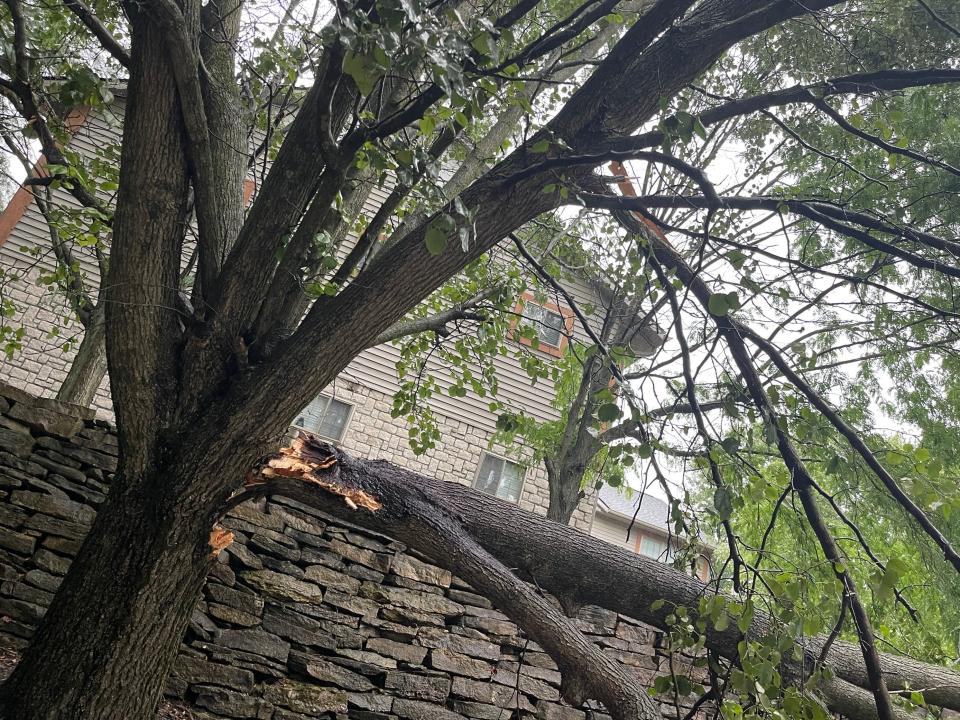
[[653, 511]]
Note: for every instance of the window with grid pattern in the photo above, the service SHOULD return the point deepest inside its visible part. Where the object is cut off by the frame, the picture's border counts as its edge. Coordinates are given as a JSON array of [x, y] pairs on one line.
[[548, 324], [326, 416], [500, 477]]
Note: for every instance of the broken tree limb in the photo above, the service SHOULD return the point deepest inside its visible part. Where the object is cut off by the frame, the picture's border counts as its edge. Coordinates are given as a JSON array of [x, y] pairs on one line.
[[415, 518], [575, 567]]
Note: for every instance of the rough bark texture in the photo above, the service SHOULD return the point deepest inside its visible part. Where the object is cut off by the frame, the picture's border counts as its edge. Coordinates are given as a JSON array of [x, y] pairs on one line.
[[89, 367], [544, 552], [193, 413], [108, 660], [431, 528], [144, 555]]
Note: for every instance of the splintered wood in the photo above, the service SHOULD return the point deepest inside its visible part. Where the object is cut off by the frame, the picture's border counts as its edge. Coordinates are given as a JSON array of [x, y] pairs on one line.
[[220, 539], [306, 459]]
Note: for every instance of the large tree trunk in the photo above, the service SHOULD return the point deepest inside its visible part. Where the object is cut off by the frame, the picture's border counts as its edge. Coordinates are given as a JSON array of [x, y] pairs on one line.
[[144, 561], [89, 366], [105, 645], [581, 570]]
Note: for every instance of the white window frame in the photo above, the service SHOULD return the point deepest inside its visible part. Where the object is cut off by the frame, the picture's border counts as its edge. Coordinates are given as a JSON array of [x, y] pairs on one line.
[[346, 423], [502, 458], [663, 556]]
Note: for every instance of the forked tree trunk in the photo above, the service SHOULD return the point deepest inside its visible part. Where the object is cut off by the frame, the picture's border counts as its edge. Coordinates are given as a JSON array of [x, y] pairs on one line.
[[564, 485], [144, 561], [89, 367]]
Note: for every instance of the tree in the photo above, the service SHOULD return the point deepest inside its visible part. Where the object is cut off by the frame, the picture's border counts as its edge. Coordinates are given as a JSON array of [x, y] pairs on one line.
[[204, 385]]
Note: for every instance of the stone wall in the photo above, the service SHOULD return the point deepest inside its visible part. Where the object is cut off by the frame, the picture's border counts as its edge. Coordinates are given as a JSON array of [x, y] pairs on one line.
[[302, 616]]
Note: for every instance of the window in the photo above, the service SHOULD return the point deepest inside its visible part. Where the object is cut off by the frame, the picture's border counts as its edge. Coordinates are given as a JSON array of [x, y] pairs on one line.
[[549, 325], [325, 416], [500, 477], [653, 547], [700, 568]]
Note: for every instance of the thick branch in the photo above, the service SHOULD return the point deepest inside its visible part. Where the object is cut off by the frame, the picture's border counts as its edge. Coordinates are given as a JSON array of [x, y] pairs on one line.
[[568, 563], [862, 83], [89, 18], [185, 64], [415, 519]]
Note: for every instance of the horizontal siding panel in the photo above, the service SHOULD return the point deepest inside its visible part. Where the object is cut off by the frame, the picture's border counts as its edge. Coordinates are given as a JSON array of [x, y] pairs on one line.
[[374, 368], [613, 531]]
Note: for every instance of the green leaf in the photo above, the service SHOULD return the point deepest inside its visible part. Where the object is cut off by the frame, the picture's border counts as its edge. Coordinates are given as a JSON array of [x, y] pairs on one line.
[[608, 412], [718, 305], [736, 258], [699, 129], [541, 146], [364, 70], [482, 43], [435, 239], [427, 124]]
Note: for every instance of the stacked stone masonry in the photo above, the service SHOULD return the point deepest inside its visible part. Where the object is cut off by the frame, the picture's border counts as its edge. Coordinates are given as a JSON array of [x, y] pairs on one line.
[[41, 366], [302, 617]]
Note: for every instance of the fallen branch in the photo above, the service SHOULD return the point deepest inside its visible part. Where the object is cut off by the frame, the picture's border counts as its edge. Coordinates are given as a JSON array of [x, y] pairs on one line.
[[545, 552], [411, 516]]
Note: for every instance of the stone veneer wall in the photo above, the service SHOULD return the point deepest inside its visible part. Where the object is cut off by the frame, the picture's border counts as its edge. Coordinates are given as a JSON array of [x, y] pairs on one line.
[[302, 616], [371, 432], [40, 367]]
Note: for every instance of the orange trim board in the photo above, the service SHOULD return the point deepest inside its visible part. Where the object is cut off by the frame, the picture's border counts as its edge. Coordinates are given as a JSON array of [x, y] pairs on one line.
[[23, 197], [628, 190]]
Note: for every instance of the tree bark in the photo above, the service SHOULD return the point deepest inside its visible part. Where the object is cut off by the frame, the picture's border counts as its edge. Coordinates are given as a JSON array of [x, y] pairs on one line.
[[588, 673], [105, 645], [144, 560], [578, 569], [563, 482], [189, 425], [89, 366]]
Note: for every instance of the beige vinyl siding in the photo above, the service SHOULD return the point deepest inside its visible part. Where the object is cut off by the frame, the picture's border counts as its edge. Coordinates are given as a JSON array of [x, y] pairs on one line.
[[99, 130], [613, 529], [375, 368]]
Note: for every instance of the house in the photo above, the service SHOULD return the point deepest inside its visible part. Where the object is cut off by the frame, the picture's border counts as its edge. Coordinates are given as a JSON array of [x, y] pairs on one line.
[[640, 522], [355, 410]]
